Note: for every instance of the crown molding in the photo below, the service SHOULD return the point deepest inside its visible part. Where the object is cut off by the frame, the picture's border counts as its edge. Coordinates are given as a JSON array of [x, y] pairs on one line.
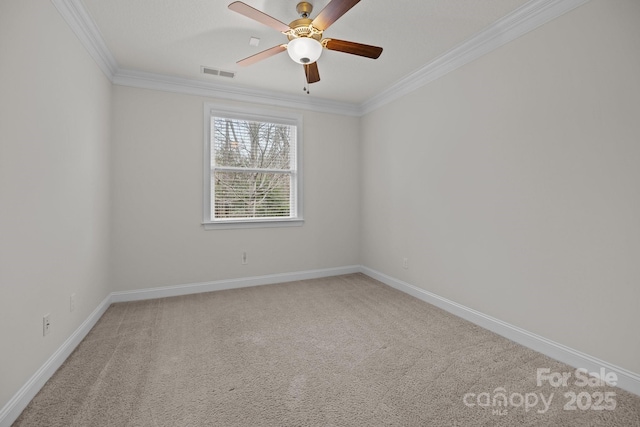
[[83, 26], [145, 80], [87, 31], [527, 18], [523, 20]]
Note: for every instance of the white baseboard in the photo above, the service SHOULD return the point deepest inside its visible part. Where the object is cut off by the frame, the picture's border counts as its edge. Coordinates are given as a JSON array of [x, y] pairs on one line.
[[9, 413], [12, 410], [219, 285], [627, 380]]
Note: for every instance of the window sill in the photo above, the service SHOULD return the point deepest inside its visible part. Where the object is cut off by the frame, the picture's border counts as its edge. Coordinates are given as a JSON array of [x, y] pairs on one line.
[[253, 223]]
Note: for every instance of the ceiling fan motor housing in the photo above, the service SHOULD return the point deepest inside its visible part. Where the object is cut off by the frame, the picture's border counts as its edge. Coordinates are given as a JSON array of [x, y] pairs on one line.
[[302, 28]]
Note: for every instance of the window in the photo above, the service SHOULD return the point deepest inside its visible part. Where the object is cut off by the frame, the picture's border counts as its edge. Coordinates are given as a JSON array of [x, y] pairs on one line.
[[252, 168]]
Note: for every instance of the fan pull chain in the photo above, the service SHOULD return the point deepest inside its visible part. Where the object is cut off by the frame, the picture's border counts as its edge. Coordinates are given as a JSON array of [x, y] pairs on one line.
[[307, 86]]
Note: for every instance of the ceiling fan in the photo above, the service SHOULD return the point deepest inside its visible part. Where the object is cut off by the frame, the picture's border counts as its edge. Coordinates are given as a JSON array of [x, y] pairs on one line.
[[305, 35]]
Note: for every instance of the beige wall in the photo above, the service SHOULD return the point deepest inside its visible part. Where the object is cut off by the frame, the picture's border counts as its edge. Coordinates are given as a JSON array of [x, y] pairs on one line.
[[511, 184], [157, 206], [54, 186]]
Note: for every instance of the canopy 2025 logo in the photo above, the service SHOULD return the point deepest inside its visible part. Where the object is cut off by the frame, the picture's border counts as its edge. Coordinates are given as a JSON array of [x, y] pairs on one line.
[[500, 401]]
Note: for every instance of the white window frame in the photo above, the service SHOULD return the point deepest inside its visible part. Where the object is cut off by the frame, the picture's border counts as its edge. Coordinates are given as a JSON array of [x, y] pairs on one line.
[[211, 110]]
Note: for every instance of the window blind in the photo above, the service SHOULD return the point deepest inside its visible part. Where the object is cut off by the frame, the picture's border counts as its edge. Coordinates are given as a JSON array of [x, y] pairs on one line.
[[253, 173]]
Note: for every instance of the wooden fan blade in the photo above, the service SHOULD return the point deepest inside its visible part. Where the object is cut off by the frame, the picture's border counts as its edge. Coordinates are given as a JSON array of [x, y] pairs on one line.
[[330, 14], [365, 50], [311, 71], [262, 55], [256, 15]]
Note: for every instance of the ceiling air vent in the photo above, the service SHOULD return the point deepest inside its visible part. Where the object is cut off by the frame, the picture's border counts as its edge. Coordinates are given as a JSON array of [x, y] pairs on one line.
[[216, 72]]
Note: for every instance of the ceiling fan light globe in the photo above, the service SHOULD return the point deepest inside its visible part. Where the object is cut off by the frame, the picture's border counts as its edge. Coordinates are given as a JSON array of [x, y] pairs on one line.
[[304, 50]]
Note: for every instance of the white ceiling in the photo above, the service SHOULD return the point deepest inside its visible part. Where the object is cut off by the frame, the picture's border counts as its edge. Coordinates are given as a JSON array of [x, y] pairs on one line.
[[175, 38]]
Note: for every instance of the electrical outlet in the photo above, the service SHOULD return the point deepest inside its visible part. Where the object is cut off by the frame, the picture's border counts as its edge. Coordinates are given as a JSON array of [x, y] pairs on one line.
[[72, 303], [405, 263], [46, 325], [245, 259]]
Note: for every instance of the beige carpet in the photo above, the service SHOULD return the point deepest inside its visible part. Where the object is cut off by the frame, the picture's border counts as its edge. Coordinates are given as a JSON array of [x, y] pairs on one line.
[[341, 351]]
